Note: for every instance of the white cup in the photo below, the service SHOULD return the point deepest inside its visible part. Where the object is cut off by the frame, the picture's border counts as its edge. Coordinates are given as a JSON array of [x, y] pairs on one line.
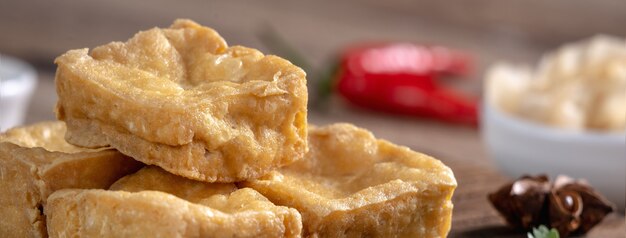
[[521, 147], [17, 83]]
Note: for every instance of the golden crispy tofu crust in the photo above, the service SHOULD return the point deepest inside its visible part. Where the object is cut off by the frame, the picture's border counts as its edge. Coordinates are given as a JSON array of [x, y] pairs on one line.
[[351, 184], [156, 179], [35, 161], [181, 99], [155, 203]]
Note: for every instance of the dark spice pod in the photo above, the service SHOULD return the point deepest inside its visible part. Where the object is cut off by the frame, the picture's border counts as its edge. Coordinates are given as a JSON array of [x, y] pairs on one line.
[[564, 210], [570, 206], [593, 205], [521, 202]]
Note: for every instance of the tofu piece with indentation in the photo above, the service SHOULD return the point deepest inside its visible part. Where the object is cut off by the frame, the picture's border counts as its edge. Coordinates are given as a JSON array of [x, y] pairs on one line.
[[351, 184]]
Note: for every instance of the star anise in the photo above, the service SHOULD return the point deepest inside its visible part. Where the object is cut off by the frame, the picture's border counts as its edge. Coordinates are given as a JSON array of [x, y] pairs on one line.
[[521, 202], [580, 201], [568, 205]]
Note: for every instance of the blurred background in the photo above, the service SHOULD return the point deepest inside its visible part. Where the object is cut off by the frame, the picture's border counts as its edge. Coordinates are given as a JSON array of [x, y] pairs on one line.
[[489, 30]]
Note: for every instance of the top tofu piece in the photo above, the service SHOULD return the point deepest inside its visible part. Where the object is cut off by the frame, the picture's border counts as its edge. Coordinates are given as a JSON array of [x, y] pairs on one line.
[[181, 99], [35, 161]]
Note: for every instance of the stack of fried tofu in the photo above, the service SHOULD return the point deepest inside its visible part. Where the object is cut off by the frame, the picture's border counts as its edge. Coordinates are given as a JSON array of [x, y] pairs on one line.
[[175, 134]]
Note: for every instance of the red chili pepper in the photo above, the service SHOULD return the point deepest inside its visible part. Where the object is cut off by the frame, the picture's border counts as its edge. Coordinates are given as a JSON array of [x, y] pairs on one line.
[[402, 78]]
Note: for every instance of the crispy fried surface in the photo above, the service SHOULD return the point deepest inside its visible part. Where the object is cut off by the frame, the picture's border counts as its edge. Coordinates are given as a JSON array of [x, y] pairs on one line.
[[156, 179], [35, 161], [351, 184], [47, 135], [153, 202], [180, 98]]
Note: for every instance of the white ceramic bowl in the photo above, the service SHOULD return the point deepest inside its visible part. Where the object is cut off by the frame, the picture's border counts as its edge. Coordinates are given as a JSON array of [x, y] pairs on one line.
[[521, 147], [17, 83]]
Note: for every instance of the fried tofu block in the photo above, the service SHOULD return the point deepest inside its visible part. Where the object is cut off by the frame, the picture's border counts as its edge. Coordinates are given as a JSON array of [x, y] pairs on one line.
[[36, 161], [351, 184], [154, 203], [181, 99]]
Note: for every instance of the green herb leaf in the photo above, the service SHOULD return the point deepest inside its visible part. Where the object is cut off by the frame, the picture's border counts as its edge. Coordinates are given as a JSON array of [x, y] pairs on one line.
[[543, 232]]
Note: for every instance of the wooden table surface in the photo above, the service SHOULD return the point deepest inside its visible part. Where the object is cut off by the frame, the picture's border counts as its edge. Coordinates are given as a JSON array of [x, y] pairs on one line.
[[39, 31]]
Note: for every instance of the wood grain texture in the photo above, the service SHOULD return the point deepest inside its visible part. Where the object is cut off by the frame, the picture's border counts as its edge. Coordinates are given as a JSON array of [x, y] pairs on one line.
[[517, 30]]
